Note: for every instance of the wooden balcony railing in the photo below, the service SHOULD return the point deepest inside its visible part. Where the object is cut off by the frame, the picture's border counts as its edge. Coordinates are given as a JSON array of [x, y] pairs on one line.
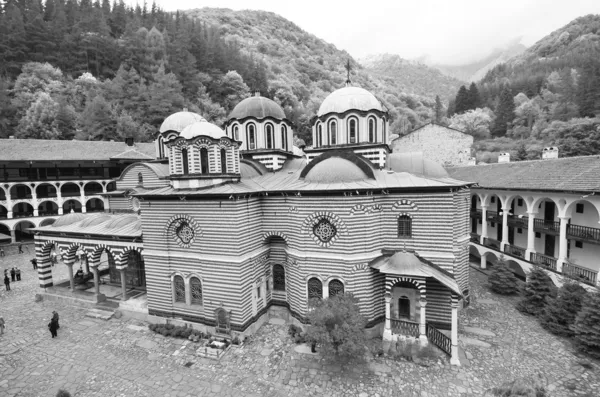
[[518, 222], [544, 226], [543, 260], [439, 339], [476, 213], [584, 233], [490, 242], [405, 327], [579, 273], [514, 251], [475, 238], [494, 217]]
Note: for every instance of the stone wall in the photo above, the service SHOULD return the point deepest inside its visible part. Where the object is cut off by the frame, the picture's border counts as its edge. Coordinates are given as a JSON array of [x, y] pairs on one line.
[[441, 144]]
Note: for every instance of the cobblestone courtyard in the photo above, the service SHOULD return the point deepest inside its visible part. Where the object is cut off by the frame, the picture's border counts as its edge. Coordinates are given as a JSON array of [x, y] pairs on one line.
[[123, 358]]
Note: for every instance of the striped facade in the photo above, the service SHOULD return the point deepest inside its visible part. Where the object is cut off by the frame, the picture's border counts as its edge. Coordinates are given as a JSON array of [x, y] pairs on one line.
[[130, 178], [238, 241]]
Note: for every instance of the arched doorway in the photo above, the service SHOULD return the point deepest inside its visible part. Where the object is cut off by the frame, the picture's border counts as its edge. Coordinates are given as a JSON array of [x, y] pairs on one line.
[[21, 232], [403, 305], [94, 205], [47, 208], [20, 192], [70, 189], [92, 188], [135, 275], [107, 266], [45, 190], [71, 205], [22, 210]]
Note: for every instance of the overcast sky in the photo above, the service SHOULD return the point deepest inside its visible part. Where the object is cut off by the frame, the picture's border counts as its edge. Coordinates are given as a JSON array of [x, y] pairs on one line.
[[449, 31]]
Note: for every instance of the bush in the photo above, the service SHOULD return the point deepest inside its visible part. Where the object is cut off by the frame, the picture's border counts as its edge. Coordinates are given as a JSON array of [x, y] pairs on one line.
[[538, 288], [63, 393], [236, 340], [560, 311], [294, 330], [502, 280], [585, 329], [524, 387]]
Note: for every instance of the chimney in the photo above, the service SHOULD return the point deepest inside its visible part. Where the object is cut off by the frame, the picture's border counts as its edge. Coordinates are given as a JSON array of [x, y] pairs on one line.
[[550, 153], [472, 161], [129, 141], [11, 137], [504, 158], [257, 93]]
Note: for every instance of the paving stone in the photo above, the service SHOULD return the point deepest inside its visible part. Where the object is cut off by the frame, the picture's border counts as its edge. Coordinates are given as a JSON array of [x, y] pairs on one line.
[[474, 342], [486, 301], [479, 331], [276, 321]]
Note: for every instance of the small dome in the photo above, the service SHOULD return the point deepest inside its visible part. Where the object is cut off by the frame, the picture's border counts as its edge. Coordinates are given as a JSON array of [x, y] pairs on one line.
[[69, 219], [258, 107], [96, 220], [349, 98], [414, 163], [178, 121], [202, 128], [122, 221], [335, 169]]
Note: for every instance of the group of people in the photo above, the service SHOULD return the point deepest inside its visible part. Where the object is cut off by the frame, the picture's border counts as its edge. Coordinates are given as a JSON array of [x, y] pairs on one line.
[[15, 275], [52, 325]]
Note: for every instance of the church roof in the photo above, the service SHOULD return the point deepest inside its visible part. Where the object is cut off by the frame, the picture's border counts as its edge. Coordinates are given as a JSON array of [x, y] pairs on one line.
[[202, 128], [99, 224], [580, 174], [56, 150], [178, 121], [349, 98], [414, 163], [257, 107], [406, 263]]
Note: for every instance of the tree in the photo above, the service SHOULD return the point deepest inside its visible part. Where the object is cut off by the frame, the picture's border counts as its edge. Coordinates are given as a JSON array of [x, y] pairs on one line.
[[505, 112], [451, 108], [337, 326], [473, 122], [560, 312], [35, 77], [65, 120], [38, 122], [474, 100], [232, 90], [161, 98], [586, 332], [462, 102], [538, 288], [438, 110], [97, 121], [502, 280], [521, 153], [588, 95], [13, 49]]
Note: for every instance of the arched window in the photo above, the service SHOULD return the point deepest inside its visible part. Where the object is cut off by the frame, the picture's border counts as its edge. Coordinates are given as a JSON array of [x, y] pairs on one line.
[[196, 291], [204, 160], [223, 161], [319, 135], [315, 288], [352, 130], [236, 132], [179, 287], [404, 226], [251, 136], [335, 287], [383, 131], [278, 278], [332, 132], [403, 307], [140, 179], [184, 157], [284, 137], [269, 137], [372, 130]]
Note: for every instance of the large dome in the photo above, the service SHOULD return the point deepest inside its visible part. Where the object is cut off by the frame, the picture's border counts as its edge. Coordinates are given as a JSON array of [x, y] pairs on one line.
[[69, 219], [202, 128], [258, 107], [335, 167], [178, 121], [349, 98], [414, 163]]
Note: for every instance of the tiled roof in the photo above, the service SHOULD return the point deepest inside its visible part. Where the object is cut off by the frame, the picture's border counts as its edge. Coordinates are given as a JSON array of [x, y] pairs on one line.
[[562, 174], [55, 150], [133, 154], [103, 224]]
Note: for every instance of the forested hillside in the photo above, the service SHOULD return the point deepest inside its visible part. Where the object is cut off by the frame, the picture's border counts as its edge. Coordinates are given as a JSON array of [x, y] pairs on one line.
[[548, 95]]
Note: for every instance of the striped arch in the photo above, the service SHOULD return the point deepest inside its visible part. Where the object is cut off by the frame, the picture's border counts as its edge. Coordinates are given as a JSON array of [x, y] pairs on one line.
[[44, 263], [121, 259], [97, 252], [420, 284], [71, 253], [405, 205], [359, 268], [404, 213], [284, 236]]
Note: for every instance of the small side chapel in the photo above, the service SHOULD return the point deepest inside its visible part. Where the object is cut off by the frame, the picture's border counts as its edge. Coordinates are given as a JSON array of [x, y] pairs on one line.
[[235, 225]]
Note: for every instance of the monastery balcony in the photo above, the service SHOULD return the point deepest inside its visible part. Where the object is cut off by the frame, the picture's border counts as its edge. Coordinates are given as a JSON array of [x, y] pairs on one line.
[[475, 238], [514, 250], [22, 214], [491, 243], [543, 260], [583, 233], [545, 226], [582, 274], [476, 213], [521, 222], [493, 216]]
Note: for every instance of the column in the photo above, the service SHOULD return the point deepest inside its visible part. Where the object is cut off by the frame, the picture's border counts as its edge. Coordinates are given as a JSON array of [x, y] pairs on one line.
[[484, 225], [9, 214], [530, 235], [123, 285], [388, 323], [71, 278], [87, 264], [562, 243], [13, 237], [504, 241], [96, 281], [484, 261], [423, 325], [454, 356]]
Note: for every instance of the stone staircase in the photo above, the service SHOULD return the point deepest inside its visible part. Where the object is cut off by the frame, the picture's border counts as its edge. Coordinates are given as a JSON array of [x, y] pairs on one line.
[[102, 311]]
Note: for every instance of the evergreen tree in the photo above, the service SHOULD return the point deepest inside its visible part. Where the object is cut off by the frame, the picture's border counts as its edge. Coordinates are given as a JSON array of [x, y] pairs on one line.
[[65, 121], [451, 111], [586, 329], [155, 54], [521, 153], [97, 121], [538, 288], [462, 101], [438, 110], [161, 97], [38, 122], [474, 100], [505, 112], [588, 96], [560, 312], [502, 280], [13, 49]]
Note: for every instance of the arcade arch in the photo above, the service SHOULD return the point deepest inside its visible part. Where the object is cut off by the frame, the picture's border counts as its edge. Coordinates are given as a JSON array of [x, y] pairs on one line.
[[71, 205], [47, 208], [22, 209], [21, 232], [92, 188], [20, 191], [70, 189], [45, 190], [94, 205]]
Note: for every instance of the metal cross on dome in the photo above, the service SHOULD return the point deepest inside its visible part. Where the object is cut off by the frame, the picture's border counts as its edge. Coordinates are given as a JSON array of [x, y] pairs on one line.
[[348, 68]]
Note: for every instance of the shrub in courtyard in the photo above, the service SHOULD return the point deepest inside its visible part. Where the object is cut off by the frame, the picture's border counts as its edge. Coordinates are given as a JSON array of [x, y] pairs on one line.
[[586, 329], [538, 288], [63, 393], [524, 387], [502, 280], [337, 326], [560, 311]]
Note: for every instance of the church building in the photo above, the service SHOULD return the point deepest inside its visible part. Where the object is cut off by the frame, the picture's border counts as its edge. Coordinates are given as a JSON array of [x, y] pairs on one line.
[[230, 226]]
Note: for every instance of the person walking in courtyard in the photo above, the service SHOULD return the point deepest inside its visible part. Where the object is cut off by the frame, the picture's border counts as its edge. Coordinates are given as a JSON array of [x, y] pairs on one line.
[[20, 248], [7, 282], [18, 274], [34, 263], [13, 273], [55, 318], [1, 251], [53, 326], [2, 325]]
